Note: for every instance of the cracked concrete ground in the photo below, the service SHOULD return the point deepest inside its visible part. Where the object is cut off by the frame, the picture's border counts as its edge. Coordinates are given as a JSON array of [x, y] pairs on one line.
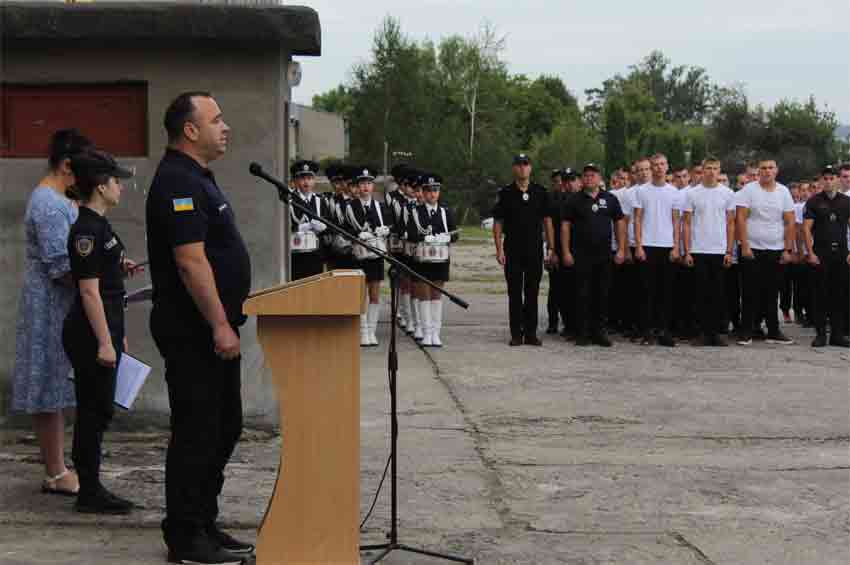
[[526, 455]]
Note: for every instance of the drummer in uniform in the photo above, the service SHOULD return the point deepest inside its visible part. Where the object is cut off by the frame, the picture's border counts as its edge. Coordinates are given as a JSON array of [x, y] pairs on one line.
[[372, 221], [397, 201], [93, 335], [307, 256], [432, 226]]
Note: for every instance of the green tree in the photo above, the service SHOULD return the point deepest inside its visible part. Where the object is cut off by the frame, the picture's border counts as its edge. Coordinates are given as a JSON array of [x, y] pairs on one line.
[[339, 100], [616, 153]]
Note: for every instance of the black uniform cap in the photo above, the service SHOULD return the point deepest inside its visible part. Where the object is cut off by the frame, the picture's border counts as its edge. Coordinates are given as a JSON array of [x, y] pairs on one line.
[[91, 163], [364, 173], [569, 174], [303, 167], [591, 167], [829, 170], [431, 181], [522, 158]]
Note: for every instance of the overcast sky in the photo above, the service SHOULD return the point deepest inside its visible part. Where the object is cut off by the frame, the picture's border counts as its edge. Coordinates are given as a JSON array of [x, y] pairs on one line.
[[777, 48]]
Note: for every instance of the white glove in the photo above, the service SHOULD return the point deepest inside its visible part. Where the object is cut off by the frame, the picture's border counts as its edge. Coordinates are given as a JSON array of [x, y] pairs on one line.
[[318, 226], [430, 239], [443, 238], [305, 227], [382, 231], [365, 236]]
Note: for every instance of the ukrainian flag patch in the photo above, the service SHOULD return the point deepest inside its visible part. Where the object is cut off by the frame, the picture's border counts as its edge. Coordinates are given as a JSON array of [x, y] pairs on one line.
[[183, 204]]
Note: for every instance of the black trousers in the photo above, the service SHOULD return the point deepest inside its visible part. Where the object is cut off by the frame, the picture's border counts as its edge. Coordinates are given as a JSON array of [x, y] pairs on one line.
[[629, 302], [593, 282], [761, 277], [801, 276], [685, 313], [523, 272], [710, 278], [94, 386], [831, 291], [656, 275], [553, 300], [204, 393], [618, 295], [732, 292]]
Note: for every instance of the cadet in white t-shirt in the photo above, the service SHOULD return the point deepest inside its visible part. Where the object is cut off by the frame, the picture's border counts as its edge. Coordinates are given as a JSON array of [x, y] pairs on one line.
[[766, 229], [656, 251], [709, 234]]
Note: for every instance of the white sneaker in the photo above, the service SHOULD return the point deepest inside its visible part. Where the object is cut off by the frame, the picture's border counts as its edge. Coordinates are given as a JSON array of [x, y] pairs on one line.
[[436, 322], [427, 325]]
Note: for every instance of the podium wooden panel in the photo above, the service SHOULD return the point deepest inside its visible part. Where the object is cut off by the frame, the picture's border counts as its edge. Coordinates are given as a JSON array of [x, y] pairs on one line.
[[309, 332]]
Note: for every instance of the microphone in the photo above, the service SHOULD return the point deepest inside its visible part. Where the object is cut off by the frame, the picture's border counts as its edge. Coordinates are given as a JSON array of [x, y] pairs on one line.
[[257, 170]]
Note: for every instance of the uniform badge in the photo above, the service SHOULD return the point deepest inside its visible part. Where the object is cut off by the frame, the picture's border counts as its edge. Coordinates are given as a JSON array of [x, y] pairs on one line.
[[183, 204], [110, 244], [595, 208], [833, 217], [84, 245], [525, 196]]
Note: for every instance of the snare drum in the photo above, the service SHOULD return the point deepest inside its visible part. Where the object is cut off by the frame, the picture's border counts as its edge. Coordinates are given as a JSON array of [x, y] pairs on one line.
[[432, 252], [396, 244], [341, 245], [303, 242], [361, 253]]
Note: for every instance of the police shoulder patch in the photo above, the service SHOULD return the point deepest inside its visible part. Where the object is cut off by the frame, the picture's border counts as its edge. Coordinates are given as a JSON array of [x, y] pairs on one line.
[[183, 204], [84, 244]]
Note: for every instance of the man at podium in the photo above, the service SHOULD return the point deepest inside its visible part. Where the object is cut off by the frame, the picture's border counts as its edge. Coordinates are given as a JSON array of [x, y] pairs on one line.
[[201, 275]]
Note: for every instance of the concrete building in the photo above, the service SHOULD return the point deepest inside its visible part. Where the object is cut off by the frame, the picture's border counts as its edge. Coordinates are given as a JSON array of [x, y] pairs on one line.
[[110, 69], [317, 135]]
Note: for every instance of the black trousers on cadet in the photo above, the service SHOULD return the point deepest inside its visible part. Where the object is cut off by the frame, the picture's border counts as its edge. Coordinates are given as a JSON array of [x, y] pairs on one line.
[[94, 386], [710, 278], [732, 292], [831, 291], [554, 299], [523, 272], [204, 392], [761, 276], [593, 282], [656, 274]]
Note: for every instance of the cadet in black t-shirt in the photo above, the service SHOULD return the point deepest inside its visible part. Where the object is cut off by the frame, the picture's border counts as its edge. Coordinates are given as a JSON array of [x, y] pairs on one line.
[[586, 226], [93, 335], [201, 275], [825, 224], [521, 214]]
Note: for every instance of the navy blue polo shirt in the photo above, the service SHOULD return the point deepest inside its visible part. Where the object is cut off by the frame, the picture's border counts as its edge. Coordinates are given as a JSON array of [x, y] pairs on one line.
[[185, 205], [591, 219]]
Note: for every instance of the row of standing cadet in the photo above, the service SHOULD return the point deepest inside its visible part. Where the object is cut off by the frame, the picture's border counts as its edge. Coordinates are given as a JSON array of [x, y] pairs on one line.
[[410, 223]]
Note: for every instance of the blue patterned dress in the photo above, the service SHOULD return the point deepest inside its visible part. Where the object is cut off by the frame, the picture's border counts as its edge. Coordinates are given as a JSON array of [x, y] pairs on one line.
[[40, 380]]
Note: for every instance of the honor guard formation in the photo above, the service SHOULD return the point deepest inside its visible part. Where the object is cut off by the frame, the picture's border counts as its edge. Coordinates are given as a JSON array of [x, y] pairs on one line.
[[656, 255]]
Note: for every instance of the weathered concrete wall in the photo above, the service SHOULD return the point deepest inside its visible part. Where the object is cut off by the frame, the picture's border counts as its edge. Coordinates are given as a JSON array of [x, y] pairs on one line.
[[250, 87], [316, 135]]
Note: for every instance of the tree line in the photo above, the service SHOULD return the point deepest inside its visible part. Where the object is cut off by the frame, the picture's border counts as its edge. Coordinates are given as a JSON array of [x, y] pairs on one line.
[[454, 108]]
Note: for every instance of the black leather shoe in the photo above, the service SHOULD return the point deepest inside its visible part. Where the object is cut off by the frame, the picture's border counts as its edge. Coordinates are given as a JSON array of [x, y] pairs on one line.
[[515, 341], [551, 330], [583, 341], [228, 542], [838, 341], [666, 340], [819, 341], [102, 501], [601, 340], [201, 549], [719, 341], [533, 340]]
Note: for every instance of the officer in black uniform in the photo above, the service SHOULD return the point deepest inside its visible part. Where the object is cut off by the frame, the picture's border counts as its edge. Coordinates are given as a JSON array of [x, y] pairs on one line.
[[553, 302], [586, 227], [201, 275], [521, 214], [825, 224], [93, 334], [307, 263]]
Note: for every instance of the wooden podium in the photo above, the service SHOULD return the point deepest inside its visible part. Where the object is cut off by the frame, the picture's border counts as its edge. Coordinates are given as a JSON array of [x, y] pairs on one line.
[[309, 332]]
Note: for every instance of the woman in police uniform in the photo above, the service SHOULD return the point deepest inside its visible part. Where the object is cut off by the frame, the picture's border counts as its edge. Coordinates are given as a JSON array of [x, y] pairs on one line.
[[432, 223], [93, 335]]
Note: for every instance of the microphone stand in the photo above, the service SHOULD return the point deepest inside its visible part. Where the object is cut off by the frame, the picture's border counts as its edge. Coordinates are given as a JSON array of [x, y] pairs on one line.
[[396, 267]]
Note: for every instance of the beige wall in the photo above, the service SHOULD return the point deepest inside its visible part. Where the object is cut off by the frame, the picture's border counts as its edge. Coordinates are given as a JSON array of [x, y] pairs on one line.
[[316, 135], [250, 87]]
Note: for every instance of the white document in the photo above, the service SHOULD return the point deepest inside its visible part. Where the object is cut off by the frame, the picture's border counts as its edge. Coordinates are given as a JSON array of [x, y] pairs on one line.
[[132, 374]]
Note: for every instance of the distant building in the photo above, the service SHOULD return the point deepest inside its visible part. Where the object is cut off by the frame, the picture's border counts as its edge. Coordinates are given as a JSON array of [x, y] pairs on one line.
[[316, 135]]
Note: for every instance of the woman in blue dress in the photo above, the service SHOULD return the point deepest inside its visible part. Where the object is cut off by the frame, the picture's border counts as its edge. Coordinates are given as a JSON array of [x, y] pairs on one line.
[[40, 383]]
